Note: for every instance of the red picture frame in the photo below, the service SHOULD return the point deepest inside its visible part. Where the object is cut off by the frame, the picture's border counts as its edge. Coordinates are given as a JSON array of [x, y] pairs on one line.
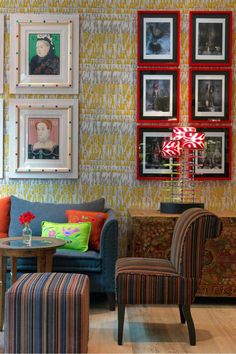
[[210, 96], [150, 163], [158, 38], [215, 161], [210, 41], [158, 95]]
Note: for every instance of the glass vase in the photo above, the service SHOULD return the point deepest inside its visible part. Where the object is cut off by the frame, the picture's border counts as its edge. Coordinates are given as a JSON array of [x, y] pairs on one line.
[[27, 235]]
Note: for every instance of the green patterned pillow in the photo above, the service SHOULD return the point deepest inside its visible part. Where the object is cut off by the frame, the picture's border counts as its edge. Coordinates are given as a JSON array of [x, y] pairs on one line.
[[75, 235]]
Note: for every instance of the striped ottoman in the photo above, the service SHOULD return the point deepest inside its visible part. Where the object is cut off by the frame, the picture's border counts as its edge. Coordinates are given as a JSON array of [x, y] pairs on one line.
[[47, 313]]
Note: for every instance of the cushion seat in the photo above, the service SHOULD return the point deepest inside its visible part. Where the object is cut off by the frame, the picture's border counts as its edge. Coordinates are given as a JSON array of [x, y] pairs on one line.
[[66, 261]]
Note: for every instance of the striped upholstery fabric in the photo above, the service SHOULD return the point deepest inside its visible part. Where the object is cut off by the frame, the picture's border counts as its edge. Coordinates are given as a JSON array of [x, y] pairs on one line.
[[160, 281], [47, 313]]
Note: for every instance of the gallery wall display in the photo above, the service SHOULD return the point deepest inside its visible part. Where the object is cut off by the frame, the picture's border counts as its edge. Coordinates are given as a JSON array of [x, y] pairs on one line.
[[158, 95], [210, 95], [1, 138], [150, 163], [210, 38], [43, 138], [214, 162], [44, 53], [1, 51], [158, 37]]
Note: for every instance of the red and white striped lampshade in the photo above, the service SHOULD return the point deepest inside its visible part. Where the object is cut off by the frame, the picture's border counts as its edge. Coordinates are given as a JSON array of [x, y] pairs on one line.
[[193, 141], [179, 132], [171, 148]]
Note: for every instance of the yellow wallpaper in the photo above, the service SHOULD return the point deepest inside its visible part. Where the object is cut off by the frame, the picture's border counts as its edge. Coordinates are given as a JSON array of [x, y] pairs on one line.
[[107, 106]]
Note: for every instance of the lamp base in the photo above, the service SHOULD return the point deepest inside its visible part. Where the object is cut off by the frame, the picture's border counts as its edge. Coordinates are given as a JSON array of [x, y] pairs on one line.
[[178, 208]]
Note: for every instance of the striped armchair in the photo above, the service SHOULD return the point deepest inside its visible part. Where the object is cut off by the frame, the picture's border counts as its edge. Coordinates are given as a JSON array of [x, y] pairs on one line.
[[163, 281]]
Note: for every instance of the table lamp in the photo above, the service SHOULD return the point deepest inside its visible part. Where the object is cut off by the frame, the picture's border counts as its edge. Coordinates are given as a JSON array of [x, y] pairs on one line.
[[182, 144]]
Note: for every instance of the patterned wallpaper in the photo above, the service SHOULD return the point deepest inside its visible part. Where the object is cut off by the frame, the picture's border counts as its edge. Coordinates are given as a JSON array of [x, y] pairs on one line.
[[107, 107]]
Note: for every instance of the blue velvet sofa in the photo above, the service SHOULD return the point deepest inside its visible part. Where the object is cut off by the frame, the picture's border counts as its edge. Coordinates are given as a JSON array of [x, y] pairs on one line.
[[98, 265]]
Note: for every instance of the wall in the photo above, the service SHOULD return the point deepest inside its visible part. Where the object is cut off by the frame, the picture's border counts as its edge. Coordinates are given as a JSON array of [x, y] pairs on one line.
[[107, 106]]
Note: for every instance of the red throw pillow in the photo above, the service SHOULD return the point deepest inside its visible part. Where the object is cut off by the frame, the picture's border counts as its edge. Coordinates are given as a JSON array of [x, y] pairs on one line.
[[97, 220], [5, 206]]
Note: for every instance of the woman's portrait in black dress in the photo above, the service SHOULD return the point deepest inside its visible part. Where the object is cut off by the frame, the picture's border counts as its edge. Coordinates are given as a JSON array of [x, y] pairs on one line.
[[45, 62]]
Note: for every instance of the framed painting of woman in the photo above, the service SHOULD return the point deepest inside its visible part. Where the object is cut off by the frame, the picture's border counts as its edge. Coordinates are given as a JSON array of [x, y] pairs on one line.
[[44, 53]]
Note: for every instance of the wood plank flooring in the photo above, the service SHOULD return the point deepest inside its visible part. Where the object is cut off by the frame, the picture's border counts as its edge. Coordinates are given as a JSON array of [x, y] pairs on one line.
[[157, 329]]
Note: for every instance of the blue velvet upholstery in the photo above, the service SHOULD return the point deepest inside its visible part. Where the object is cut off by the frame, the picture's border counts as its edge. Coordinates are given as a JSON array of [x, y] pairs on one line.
[[99, 266]]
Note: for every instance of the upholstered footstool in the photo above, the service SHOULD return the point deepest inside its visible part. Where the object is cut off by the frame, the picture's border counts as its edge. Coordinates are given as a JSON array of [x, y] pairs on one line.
[[47, 313]]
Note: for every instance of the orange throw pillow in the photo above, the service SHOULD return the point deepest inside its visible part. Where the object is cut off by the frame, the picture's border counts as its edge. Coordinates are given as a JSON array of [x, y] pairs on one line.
[[5, 206], [97, 220]]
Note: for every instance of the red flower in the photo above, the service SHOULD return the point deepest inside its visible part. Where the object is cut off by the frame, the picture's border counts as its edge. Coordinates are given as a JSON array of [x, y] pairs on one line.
[[26, 217]]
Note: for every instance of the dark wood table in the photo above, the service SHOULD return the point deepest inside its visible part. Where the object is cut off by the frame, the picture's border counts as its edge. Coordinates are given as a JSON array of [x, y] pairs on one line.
[[43, 248]]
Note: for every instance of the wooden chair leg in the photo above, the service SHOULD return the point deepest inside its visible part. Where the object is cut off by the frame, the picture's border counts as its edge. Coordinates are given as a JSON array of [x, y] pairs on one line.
[[121, 317], [182, 319], [111, 301], [191, 328]]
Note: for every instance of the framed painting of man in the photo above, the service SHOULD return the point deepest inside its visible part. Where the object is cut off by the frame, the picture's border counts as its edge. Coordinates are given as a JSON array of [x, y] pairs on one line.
[[1, 51], [210, 38], [44, 138], [150, 162], [44, 53], [158, 95], [214, 162], [210, 97], [158, 37]]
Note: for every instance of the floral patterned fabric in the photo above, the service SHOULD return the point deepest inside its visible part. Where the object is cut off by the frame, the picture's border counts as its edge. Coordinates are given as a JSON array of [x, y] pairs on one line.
[[75, 235]]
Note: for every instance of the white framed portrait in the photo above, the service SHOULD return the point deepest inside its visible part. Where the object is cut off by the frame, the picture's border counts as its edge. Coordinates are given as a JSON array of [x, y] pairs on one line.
[[1, 138], [1, 51], [44, 53], [43, 138]]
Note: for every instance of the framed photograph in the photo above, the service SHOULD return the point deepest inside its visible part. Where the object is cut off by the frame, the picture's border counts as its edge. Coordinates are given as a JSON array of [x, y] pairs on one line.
[[158, 95], [210, 38], [158, 37], [1, 138], [44, 52], [210, 95], [214, 162], [150, 163], [43, 138], [1, 51]]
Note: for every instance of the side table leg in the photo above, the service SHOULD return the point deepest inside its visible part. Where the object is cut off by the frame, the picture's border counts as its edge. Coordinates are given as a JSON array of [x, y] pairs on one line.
[[13, 269], [41, 261], [3, 270], [48, 265]]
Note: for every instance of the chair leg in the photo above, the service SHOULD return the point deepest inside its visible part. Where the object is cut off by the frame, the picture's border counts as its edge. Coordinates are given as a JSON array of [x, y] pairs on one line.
[[191, 328], [111, 301], [121, 317], [182, 318]]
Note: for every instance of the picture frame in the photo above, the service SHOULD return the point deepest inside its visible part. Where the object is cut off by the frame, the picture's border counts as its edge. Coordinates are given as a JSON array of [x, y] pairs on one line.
[[1, 138], [43, 138], [158, 38], [1, 51], [210, 38], [210, 97], [44, 53], [215, 161], [157, 95], [150, 164]]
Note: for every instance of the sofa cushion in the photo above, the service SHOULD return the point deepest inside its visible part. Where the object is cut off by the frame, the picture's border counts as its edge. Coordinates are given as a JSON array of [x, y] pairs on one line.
[[5, 205], [66, 261], [76, 235], [45, 211], [97, 220]]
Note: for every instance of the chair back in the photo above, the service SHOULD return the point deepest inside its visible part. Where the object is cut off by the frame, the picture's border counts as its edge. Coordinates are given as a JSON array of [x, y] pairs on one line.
[[191, 231]]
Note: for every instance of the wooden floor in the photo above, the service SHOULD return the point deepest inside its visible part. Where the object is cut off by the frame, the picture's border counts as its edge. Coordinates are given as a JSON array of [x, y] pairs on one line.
[[157, 329]]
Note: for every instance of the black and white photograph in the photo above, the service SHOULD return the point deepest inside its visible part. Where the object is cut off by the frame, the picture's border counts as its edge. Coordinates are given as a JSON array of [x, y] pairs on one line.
[[151, 164], [158, 37], [214, 161], [210, 97], [210, 37], [157, 95]]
